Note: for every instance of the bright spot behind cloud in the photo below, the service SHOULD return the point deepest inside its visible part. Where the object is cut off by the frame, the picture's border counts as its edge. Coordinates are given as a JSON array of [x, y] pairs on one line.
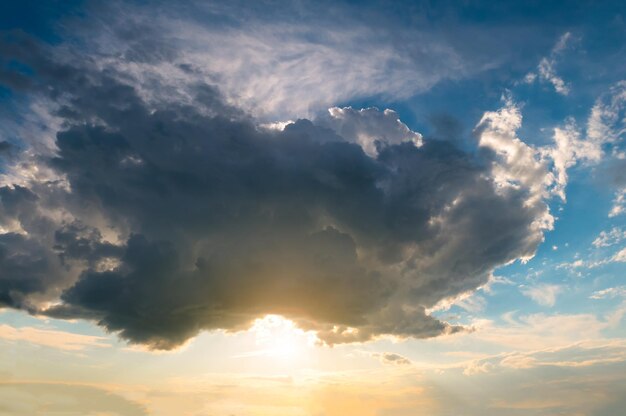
[[279, 338]]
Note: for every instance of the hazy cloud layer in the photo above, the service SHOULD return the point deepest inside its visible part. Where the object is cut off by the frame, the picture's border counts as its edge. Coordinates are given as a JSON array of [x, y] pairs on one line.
[[29, 398], [51, 338], [283, 61]]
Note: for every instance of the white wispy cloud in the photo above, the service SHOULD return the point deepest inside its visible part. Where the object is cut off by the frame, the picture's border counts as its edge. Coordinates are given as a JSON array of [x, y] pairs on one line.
[[580, 354], [619, 203], [470, 301], [608, 238], [541, 169], [286, 68], [620, 256], [546, 70], [606, 125], [570, 147], [543, 294], [606, 121], [538, 331], [517, 164], [611, 292], [51, 338]]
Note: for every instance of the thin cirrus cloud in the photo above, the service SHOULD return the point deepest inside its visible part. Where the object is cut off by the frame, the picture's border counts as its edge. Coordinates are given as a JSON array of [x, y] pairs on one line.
[[606, 126], [543, 294], [51, 338], [293, 67], [577, 355], [610, 292], [546, 69]]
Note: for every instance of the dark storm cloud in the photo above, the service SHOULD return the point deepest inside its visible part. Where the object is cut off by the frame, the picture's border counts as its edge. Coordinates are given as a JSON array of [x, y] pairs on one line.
[[27, 265], [25, 269], [174, 218], [5, 147]]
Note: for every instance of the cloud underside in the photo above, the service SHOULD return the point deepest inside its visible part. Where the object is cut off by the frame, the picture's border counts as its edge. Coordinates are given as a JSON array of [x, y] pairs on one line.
[[163, 219]]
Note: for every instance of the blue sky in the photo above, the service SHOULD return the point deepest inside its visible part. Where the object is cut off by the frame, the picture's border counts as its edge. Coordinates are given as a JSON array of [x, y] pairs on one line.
[[312, 208]]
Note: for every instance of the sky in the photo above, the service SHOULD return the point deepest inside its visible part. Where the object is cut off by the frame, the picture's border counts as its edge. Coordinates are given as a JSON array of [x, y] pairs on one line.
[[312, 208]]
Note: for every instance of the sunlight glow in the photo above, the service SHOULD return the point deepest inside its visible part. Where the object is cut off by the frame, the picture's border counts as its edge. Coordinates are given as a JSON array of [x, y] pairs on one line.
[[279, 338]]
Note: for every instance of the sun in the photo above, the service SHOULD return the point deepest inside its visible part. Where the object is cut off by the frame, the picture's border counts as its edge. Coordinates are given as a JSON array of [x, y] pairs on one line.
[[279, 338]]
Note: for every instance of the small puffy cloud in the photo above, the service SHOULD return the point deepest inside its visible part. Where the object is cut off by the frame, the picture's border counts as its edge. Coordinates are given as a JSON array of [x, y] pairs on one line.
[[543, 294], [394, 359], [370, 128], [620, 256]]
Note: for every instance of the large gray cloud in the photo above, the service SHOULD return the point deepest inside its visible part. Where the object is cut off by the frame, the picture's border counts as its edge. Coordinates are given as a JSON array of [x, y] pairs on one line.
[[166, 218]]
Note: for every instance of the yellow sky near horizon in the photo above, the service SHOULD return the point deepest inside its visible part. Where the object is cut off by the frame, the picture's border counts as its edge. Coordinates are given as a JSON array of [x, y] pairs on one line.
[[276, 369]]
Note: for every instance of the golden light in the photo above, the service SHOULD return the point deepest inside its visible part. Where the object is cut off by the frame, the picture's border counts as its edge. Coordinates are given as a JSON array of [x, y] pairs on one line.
[[279, 338]]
